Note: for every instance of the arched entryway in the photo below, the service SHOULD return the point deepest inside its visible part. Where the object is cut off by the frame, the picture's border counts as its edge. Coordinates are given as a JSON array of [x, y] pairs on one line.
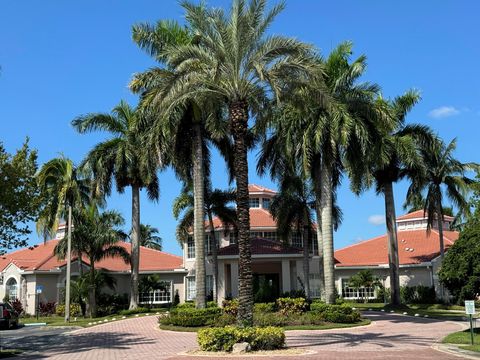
[[11, 288]]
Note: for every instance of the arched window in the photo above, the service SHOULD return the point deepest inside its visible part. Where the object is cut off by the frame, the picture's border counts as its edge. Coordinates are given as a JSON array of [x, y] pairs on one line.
[[12, 289]]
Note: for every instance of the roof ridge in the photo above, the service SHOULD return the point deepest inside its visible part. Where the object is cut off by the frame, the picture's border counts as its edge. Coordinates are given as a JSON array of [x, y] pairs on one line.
[[361, 242], [157, 251], [444, 236]]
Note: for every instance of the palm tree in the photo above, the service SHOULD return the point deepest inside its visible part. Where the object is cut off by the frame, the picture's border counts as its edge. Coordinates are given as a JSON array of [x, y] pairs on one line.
[[123, 158], [400, 147], [97, 234], [444, 176], [63, 187], [331, 121], [216, 204], [233, 60], [292, 209], [149, 237], [364, 279]]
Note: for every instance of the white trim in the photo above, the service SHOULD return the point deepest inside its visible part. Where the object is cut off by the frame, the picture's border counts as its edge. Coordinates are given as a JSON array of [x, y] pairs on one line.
[[260, 256], [382, 266]]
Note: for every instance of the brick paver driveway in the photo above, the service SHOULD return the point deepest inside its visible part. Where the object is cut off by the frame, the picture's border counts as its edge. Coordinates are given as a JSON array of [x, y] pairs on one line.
[[390, 336]]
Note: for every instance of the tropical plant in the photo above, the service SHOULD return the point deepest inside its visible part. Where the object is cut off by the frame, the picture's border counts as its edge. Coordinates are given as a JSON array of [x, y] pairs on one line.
[[292, 210], [331, 121], [62, 188], [400, 157], [444, 176], [253, 66], [149, 284], [97, 235], [216, 204], [123, 158], [362, 280], [149, 237]]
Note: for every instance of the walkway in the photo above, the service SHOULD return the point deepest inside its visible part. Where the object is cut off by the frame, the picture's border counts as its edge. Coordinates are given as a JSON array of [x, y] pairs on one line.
[[390, 336]]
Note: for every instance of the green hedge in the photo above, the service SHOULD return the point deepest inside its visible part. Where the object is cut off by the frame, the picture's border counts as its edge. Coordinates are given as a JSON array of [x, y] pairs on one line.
[[191, 317], [139, 310], [287, 306], [335, 313], [223, 339], [75, 310], [265, 307]]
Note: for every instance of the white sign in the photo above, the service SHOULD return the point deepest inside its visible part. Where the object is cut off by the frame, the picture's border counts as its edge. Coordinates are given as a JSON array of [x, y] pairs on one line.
[[469, 307]]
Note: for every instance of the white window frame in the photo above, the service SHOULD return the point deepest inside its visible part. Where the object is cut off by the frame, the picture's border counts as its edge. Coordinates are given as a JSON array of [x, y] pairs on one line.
[[272, 235], [356, 294], [190, 248], [266, 201], [315, 285], [190, 289], [232, 237], [159, 296], [11, 290], [254, 202]]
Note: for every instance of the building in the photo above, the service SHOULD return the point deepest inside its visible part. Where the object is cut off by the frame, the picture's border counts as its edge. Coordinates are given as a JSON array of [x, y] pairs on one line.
[[280, 266], [35, 274]]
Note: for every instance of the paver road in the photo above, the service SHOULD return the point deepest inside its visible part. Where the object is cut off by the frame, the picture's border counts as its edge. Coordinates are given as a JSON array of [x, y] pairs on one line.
[[390, 336]]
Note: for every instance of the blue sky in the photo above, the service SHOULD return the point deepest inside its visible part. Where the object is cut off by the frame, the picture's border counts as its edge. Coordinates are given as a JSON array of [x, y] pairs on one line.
[[61, 59]]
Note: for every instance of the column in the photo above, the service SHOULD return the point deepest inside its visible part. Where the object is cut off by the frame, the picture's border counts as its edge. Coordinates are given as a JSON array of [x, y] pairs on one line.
[[234, 278], [286, 276]]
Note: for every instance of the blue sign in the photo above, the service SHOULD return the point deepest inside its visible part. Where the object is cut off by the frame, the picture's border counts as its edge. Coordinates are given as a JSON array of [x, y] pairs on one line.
[[39, 289]]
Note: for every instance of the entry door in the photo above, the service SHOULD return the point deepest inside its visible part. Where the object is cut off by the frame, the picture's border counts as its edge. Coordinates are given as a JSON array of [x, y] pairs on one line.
[[266, 287]]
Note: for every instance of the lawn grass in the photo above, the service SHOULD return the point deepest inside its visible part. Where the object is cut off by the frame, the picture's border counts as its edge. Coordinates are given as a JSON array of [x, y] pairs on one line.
[[463, 338], [8, 353], [475, 348], [325, 326], [56, 320]]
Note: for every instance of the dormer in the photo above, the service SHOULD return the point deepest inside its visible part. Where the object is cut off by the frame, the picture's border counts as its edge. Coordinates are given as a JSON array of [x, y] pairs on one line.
[[260, 197], [417, 220]]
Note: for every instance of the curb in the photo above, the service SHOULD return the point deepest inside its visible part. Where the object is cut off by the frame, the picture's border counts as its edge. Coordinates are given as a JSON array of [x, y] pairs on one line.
[[455, 350]]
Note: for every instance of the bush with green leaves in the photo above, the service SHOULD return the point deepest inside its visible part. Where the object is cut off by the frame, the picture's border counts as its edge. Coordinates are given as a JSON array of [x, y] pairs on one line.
[[185, 305], [230, 307], [191, 317], [75, 310], [139, 310], [287, 306], [418, 294], [223, 339], [335, 313], [265, 307]]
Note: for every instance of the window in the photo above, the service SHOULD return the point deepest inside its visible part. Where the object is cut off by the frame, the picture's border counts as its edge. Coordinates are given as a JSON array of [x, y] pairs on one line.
[[209, 286], [11, 289], [1, 279], [190, 248], [162, 295], [209, 243], [297, 239], [270, 235], [254, 202], [360, 293], [191, 287], [315, 285], [256, 234], [266, 203], [233, 237], [314, 243]]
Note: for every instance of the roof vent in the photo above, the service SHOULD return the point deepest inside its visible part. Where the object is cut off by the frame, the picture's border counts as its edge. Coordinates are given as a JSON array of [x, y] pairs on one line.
[[411, 249], [407, 249]]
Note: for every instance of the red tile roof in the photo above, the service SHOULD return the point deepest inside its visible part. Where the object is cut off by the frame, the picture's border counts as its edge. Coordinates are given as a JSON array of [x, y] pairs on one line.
[[253, 188], [41, 257], [259, 218], [414, 247], [261, 247], [419, 214]]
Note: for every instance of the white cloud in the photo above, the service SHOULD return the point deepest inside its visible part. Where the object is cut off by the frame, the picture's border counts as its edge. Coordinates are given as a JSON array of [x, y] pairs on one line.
[[443, 112], [376, 219]]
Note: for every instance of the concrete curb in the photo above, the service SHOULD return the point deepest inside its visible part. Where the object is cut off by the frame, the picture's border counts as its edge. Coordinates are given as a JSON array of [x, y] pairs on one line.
[[455, 350]]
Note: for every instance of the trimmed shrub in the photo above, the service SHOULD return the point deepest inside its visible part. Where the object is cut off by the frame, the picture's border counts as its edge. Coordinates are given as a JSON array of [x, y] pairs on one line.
[[138, 310], [225, 320], [335, 313], [230, 307], [264, 307], [186, 304], [287, 306], [191, 317], [417, 294], [270, 319], [75, 310], [212, 304], [223, 339]]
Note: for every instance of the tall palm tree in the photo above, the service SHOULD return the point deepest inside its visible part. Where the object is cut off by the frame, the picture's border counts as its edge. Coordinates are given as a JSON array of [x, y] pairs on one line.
[[331, 121], [216, 204], [97, 234], [444, 176], [233, 59], [123, 158], [63, 187], [400, 147], [149, 237], [292, 209]]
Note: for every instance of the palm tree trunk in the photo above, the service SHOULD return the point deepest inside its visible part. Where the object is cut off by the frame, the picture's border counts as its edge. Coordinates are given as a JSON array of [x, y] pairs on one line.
[[327, 234], [317, 186], [135, 246], [199, 216], [92, 305], [393, 263], [214, 257], [238, 113], [440, 237], [306, 259], [69, 257]]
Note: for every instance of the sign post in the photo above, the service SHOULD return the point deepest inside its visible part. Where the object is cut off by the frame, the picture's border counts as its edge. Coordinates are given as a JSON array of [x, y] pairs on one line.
[[470, 311], [38, 291]]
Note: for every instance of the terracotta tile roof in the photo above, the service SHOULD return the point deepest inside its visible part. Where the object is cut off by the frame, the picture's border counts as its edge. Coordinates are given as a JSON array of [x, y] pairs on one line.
[[419, 214], [40, 257], [261, 247], [253, 188], [414, 247]]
